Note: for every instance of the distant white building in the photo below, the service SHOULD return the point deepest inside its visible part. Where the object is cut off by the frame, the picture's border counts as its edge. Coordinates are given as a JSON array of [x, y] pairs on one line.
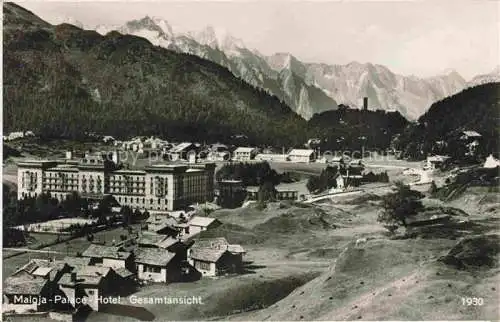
[[14, 136], [435, 161], [108, 139], [244, 154], [491, 162], [180, 151], [218, 156], [311, 142], [301, 155], [271, 157], [466, 135]]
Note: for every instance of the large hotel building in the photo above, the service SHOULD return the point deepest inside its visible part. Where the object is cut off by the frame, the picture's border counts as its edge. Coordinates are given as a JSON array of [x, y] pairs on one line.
[[159, 187]]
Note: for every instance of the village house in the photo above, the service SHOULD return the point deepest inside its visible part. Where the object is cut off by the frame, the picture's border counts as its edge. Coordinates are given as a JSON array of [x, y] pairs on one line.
[[215, 256], [252, 192], [218, 243], [13, 136], [157, 265], [198, 224], [161, 224], [244, 154], [301, 155], [218, 156], [180, 151], [285, 193], [109, 256], [153, 240], [435, 162], [88, 282], [212, 262], [49, 269], [271, 157], [237, 251], [219, 147], [24, 293], [33, 287], [472, 140]]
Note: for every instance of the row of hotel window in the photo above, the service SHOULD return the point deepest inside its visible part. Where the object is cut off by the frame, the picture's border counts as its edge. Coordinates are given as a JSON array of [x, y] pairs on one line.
[[141, 200]]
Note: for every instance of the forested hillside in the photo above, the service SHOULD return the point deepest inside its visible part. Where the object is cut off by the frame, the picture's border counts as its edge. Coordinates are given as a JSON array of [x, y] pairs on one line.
[[62, 81], [474, 109], [65, 81], [348, 128]]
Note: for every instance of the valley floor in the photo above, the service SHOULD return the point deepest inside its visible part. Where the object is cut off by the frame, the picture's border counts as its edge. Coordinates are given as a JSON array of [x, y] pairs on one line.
[[302, 263]]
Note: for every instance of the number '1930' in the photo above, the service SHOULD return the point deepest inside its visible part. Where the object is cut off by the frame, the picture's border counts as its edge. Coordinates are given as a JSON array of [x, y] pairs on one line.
[[472, 301]]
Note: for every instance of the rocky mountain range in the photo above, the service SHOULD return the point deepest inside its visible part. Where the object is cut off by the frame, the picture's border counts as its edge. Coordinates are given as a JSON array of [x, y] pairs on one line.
[[308, 88]]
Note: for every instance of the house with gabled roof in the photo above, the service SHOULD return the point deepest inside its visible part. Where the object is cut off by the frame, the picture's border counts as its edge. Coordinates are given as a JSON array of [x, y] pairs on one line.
[[210, 261], [180, 151], [49, 269], [156, 265], [162, 224], [85, 284], [215, 256], [109, 256], [244, 154], [301, 155], [198, 224], [152, 240], [24, 292]]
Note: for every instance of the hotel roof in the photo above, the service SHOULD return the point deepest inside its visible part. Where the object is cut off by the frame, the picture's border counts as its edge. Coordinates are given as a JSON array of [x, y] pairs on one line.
[[65, 167], [125, 171]]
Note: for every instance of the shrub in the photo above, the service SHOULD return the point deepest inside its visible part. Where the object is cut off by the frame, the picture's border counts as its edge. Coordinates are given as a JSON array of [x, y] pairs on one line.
[[399, 205]]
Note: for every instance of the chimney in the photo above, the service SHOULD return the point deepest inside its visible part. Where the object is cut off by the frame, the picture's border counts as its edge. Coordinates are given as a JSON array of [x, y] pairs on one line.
[[69, 155], [192, 157], [115, 157], [365, 103], [73, 277]]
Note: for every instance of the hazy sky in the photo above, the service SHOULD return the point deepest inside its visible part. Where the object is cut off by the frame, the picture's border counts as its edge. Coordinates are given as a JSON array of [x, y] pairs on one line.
[[410, 37]]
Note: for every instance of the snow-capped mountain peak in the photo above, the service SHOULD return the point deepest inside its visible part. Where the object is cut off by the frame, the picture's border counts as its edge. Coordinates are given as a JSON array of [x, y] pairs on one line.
[[164, 26], [151, 24], [217, 38], [308, 88]]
